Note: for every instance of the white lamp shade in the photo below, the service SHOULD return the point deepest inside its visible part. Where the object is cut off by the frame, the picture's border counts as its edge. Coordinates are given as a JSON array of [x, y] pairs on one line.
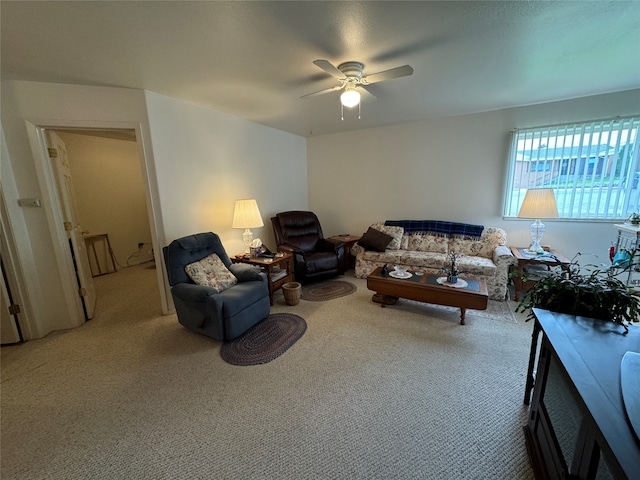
[[246, 214], [350, 98], [539, 203]]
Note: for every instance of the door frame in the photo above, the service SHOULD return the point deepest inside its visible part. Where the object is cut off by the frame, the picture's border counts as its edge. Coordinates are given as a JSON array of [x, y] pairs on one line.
[[53, 210], [12, 267]]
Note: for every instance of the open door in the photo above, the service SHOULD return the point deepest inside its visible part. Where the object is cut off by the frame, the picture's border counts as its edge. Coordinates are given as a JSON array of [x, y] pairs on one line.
[[58, 155], [9, 329]]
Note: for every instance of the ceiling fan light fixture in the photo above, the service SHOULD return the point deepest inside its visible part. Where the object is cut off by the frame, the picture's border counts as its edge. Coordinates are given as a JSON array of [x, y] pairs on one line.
[[350, 98]]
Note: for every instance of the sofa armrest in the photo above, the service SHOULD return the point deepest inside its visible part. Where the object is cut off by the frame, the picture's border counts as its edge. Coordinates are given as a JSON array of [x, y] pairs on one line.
[[503, 257], [356, 249]]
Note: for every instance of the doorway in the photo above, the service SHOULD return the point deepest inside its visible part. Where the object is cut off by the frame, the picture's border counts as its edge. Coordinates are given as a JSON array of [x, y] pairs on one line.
[[46, 177], [109, 197]]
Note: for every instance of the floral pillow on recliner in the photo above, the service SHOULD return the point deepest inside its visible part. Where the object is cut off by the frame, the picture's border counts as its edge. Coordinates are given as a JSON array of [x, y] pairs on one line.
[[211, 272]]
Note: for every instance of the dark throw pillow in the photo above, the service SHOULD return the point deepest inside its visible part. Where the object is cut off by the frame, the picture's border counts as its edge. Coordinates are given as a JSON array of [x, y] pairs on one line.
[[375, 240]]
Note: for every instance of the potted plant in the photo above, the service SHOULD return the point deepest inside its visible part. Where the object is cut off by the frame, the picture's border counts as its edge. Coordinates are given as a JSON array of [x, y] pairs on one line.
[[588, 291], [634, 218]]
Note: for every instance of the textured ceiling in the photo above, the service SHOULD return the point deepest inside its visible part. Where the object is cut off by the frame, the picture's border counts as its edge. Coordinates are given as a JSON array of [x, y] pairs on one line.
[[254, 59]]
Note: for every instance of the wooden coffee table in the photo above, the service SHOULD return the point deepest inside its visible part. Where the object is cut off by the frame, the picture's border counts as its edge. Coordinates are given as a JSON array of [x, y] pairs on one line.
[[425, 288]]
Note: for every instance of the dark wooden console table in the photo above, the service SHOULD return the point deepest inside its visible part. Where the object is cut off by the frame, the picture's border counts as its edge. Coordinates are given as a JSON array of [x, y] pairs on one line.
[[578, 427]]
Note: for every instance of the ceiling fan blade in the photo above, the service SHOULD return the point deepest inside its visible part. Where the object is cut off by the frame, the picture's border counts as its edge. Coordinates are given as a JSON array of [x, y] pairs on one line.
[[365, 94], [326, 90], [330, 69], [403, 71]]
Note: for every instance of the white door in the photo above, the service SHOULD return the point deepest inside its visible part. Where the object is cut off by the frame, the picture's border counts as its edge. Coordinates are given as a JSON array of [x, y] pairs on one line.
[[8, 327], [77, 246]]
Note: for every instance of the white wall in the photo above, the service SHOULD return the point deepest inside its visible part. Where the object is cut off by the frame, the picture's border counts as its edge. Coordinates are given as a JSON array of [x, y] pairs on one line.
[[45, 104], [205, 160], [450, 169], [109, 193]]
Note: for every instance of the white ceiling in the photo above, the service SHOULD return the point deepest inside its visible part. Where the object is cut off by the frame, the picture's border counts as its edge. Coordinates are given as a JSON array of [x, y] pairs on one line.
[[254, 59]]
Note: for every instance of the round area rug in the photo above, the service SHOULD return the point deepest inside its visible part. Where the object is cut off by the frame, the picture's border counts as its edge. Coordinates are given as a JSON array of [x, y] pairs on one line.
[[327, 290], [265, 341]]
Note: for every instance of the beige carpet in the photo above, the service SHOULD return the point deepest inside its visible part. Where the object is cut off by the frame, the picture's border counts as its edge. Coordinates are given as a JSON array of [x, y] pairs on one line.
[[402, 392]]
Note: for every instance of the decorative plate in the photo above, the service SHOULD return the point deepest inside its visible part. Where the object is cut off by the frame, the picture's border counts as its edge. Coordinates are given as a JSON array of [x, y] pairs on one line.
[[459, 284], [395, 274]]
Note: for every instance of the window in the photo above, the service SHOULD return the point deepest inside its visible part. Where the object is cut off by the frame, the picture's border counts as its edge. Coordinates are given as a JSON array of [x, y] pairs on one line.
[[592, 167]]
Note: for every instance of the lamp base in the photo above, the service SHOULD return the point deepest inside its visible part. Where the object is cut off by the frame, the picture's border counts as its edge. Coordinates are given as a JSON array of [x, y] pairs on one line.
[[537, 231], [247, 238]]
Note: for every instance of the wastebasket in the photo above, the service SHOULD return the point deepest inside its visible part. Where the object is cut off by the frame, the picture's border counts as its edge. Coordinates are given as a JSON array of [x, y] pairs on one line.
[[292, 292]]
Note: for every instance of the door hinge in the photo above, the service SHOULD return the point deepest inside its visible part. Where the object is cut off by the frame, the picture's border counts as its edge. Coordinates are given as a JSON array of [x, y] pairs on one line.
[[83, 292], [53, 153], [68, 226], [14, 309]]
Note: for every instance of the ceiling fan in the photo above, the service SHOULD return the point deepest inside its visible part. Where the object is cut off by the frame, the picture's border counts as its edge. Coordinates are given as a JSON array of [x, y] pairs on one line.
[[350, 75]]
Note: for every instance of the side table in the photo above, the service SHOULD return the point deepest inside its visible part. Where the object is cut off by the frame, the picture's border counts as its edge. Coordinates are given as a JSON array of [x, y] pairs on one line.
[[349, 240], [550, 258], [90, 241], [279, 270]]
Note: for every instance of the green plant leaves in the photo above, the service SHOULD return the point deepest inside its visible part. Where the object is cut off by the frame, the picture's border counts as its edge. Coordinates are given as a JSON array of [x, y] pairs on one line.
[[588, 291]]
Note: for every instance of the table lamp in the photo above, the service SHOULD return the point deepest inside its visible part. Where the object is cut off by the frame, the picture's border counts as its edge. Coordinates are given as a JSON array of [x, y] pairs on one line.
[[538, 203], [246, 215]]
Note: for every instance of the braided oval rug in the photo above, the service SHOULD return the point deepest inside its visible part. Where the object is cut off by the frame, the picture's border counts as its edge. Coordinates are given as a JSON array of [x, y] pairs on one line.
[[265, 341], [327, 290]]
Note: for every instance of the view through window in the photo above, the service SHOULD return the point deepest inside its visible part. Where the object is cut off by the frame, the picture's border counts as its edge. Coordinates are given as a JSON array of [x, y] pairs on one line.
[[592, 167]]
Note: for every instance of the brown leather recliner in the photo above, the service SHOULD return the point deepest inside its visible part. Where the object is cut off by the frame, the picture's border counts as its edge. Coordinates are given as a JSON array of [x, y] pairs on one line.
[[315, 257]]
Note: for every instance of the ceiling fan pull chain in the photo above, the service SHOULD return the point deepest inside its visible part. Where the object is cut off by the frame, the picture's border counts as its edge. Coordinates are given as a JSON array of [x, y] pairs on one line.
[[359, 106], [342, 112]]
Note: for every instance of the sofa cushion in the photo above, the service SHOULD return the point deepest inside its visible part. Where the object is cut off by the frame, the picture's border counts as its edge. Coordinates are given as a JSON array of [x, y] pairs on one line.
[[428, 242], [375, 240], [388, 256], [477, 266], [491, 238], [423, 259], [395, 232], [211, 272], [466, 246]]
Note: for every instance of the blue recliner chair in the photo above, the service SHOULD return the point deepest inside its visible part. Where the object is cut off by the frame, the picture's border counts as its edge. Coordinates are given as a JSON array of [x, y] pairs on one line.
[[224, 315]]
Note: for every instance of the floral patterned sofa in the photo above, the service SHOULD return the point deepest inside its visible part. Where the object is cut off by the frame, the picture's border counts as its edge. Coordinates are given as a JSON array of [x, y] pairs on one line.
[[424, 245]]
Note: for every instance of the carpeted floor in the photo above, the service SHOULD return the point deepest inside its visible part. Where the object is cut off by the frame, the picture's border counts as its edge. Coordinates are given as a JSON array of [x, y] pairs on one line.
[[402, 392]]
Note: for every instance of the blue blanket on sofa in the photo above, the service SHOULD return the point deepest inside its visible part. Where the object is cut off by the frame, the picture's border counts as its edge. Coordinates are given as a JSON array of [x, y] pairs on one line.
[[437, 226]]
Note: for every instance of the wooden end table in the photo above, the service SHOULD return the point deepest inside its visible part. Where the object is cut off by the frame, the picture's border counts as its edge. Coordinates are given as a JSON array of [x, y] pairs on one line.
[[349, 241], [273, 268], [550, 258]]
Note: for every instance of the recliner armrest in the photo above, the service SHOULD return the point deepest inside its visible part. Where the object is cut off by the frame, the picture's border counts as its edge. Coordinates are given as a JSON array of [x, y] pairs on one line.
[[286, 247], [329, 245], [190, 292], [246, 273]]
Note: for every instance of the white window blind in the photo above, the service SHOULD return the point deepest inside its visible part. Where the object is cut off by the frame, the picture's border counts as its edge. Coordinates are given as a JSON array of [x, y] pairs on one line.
[[592, 167]]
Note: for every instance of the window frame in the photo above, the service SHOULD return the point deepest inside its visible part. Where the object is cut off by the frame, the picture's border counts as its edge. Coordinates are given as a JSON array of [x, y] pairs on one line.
[[590, 165]]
